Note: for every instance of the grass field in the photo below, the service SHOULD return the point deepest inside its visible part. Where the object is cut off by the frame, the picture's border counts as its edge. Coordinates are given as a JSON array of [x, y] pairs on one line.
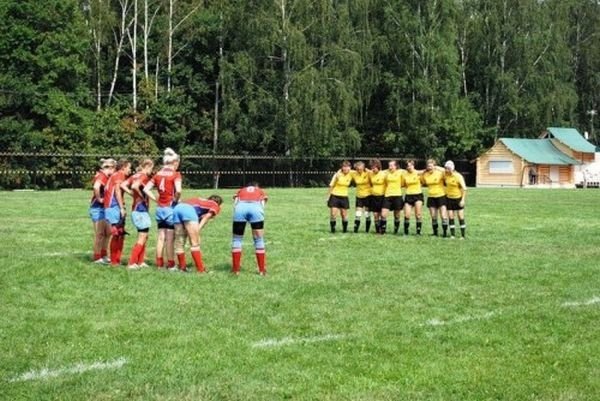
[[509, 314]]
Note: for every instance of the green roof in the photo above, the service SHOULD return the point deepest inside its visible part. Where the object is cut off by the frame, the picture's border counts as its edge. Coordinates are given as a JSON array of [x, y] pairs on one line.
[[537, 151], [573, 139]]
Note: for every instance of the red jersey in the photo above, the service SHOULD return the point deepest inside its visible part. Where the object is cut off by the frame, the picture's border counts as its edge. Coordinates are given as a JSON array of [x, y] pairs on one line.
[[140, 203], [113, 185], [251, 194], [164, 181], [204, 206], [103, 179]]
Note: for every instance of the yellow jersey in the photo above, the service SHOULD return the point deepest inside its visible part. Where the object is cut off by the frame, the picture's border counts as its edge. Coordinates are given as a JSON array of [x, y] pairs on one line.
[[394, 182], [363, 184], [412, 182], [339, 184], [455, 185], [435, 183], [378, 183]]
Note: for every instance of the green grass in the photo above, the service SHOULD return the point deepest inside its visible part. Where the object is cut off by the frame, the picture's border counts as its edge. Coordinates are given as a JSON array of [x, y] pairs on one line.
[[190, 337]]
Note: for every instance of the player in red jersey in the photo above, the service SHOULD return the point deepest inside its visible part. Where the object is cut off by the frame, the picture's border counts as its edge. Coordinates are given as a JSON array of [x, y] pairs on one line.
[[114, 210], [168, 183], [140, 217], [189, 217], [249, 208], [101, 229]]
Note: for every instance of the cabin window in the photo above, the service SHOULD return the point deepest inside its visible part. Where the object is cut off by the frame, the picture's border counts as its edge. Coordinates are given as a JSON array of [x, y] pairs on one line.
[[501, 166]]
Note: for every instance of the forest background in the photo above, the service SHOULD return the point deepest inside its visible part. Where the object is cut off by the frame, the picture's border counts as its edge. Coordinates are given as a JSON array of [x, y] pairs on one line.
[[301, 78]]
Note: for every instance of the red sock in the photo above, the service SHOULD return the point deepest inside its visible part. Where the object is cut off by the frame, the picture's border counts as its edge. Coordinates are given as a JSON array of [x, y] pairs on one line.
[[160, 263], [236, 260], [181, 260], [135, 254], [170, 263], [103, 253], [260, 260], [97, 256], [114, 251], [197, 256], [142, 255]]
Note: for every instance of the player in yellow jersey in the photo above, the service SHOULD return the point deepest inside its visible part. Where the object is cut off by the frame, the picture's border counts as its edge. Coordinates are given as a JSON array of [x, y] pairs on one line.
[[338, 196], [456, 191], [433, 178], [360, 176], [413, 197], [393, 200], [377, 179]]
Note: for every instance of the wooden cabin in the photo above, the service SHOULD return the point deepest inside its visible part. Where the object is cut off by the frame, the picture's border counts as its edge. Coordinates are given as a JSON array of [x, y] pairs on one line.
[[518, 162]]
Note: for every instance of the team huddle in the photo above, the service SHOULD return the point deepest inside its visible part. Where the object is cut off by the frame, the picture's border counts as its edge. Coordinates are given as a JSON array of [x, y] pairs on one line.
[[178, 221], [379, 192]]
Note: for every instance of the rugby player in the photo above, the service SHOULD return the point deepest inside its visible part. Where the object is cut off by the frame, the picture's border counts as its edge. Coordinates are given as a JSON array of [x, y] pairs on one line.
[[168, 183], [189, 217], [249, 207], [456, 191], [140, 215], [96, 211], [114, 210], [338, 197]]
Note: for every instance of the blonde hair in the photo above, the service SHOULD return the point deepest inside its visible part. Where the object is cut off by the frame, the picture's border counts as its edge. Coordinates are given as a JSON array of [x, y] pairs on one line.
[[108, 162], [170, 156], [359, 165]]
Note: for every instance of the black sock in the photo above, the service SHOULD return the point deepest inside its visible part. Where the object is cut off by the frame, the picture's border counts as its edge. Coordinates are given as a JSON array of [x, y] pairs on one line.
[[396, 226], [452, 228], [345, 226], [406, 226], [445, 227], [332, 225], [367, 224], [463, 227], [383, 226], [419, 225], [356, 225], [435, 225]]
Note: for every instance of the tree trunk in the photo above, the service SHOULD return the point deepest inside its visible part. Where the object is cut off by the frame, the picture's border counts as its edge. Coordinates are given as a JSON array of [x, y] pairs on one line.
[[119, 40]]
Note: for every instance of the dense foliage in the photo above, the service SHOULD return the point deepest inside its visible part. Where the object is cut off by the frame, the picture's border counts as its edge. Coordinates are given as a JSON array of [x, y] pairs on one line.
[[305, 78]]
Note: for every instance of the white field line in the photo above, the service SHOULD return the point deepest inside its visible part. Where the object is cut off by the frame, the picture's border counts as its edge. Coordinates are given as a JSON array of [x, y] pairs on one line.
[[55, 254], [462, 319], [72, 370], [280, 342], [332, 238], [592, 301]]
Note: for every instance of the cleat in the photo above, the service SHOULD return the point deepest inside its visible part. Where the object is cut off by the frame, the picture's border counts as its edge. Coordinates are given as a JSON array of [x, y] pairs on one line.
[[173, 269], [462, 238], [133, 267], [100, 261], [106, 260], [263, 274], [144, 265], [452, 237]]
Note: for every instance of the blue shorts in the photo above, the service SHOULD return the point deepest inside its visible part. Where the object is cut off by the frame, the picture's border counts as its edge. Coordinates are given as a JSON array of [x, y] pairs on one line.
[[141, 220], [112, 214], [97, 214], [184, 213], [252, 212], [164, 216]]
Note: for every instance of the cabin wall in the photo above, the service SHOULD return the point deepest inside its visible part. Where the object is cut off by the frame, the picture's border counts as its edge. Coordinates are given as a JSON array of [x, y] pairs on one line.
[[499, 153]]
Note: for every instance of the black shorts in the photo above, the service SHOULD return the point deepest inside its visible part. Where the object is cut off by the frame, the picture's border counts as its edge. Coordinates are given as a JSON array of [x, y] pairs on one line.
[[376, 203], [338, 202], [454, 204], [413, 199], [437, 202], [363, 202], [393, 203]]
